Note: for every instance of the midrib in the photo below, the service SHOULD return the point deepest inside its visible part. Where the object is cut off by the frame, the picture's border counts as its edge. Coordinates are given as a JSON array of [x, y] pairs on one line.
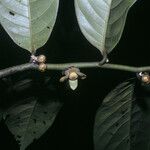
[[32, 49]]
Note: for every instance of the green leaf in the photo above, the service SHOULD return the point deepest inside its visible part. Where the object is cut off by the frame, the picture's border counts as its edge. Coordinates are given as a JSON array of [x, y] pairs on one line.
[[28, 22], [31, 118], [102, 21], [113, 119], [140, 122]]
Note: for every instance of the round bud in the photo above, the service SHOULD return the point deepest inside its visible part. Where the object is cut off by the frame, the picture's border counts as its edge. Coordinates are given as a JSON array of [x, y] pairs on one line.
[[73, 76], [42, 67], [146, 79], [41, 59]]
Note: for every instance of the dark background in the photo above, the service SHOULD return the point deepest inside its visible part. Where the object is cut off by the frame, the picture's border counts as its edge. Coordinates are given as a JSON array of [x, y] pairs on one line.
[[73, 128]]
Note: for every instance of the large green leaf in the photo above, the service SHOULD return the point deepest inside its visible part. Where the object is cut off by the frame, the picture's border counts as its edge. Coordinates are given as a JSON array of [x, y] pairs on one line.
[[122, 122], [28, 22], [31, 118], [140, 122], [102, 21], [113, 118]]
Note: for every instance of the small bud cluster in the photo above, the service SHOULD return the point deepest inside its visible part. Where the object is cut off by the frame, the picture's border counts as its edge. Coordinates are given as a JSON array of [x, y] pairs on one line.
[[40, 60], [144, 77]]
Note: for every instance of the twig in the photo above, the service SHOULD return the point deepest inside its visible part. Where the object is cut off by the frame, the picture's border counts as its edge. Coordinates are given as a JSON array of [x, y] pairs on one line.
[[19, 68], [96, 65], [32, 66]]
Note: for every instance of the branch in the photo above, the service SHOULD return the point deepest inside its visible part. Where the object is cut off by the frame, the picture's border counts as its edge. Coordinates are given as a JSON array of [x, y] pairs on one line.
[[32, 66], [19, 68], [96, 65]]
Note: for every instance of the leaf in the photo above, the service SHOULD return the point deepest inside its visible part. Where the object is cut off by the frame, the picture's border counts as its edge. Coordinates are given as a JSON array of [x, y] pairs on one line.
[[28, 22], [30, 119], [112, 122], [102, 21], [140, 123], [123, 120]]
